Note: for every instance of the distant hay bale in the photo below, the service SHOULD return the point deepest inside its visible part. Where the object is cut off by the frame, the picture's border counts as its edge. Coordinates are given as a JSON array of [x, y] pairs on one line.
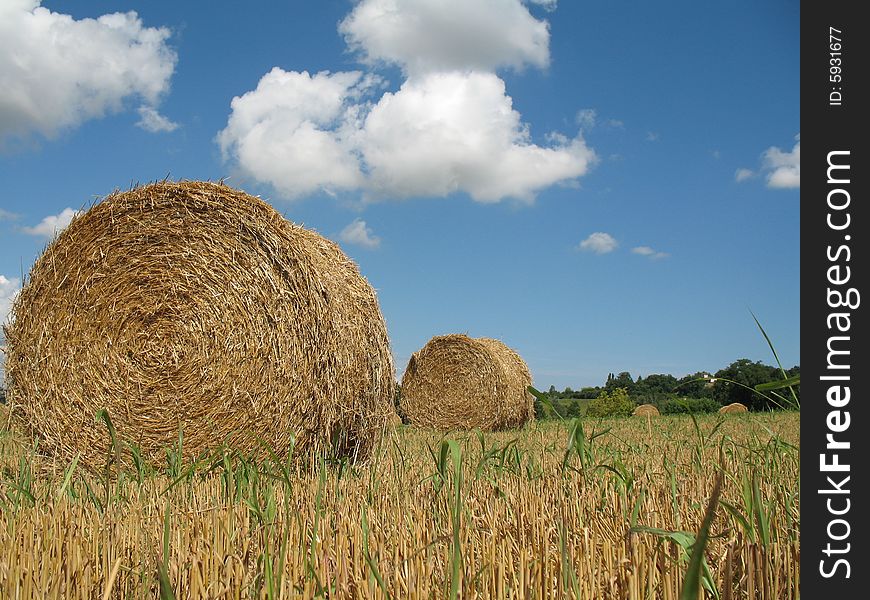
[[196, 305], [736, 407], [458, 382], [646, 410]]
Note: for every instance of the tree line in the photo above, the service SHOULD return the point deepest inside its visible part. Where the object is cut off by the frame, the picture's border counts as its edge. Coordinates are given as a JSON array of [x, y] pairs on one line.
[[698, 392]]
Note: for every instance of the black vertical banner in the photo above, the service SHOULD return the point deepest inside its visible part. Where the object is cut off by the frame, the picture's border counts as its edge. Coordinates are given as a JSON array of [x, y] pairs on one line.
[[835, 364]]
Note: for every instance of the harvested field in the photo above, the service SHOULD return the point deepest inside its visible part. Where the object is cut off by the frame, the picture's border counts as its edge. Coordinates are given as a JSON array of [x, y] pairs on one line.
[[493, 515]]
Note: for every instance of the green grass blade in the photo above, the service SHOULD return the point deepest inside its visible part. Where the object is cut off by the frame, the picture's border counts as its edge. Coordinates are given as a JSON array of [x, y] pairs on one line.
[[68, 475], [166, 592], [778, 385], [692, 581]]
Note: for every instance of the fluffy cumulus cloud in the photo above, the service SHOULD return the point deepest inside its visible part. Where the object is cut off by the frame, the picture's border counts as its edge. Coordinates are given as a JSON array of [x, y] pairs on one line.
[[599, 243], [437, 35], [360, 234], [296, 131], [783, 168], [649, 252], [450, 127], [52, 224], [9, 288], [454, 131], [58, 72]]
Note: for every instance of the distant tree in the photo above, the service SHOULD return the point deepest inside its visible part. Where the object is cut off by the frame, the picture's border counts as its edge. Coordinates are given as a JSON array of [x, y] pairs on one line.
[[541, 411], [696, 385], [623, 380], [614, 403], [568, 393], [747, 375], [588, 393], [657, 383], [574, 409], [552, 391]]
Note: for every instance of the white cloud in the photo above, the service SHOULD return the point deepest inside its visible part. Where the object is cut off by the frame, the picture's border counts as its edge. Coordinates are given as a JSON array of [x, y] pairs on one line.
[[743, 174], [450, 132], [9, 288], [649, 252], [435, 35], [360, 234], [450, 127], [438, 134], [783, 168], [5, 215], [153, 122], [58, 72], [52, 224], [599, 243], [652, 136], [586, 118], [295, 131], [546, 4]]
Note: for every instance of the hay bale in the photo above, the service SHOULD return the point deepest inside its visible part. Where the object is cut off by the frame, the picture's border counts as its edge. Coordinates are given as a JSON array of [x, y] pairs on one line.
[[195, 305], [458, 382], [646, 410], [736, 407]]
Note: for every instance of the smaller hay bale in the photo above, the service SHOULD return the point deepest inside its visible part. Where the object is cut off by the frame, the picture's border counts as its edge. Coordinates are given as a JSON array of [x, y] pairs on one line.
[[736, 407], [459, 382], [646, 410]]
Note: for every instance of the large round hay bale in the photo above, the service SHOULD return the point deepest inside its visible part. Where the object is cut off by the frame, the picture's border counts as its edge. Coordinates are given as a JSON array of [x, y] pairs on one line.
[[646, 410], [198, 306], [736, 407], [458, 382]]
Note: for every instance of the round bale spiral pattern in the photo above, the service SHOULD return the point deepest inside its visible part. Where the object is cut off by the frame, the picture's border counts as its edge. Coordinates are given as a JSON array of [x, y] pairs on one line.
[[458, 382], [194, 305], [646, 410]]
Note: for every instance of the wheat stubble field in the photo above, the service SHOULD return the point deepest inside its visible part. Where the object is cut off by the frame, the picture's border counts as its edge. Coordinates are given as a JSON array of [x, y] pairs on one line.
[[591, 509]]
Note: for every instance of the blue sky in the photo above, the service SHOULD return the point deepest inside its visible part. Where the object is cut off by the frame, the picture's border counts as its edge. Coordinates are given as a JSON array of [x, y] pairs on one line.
[[604, 185]]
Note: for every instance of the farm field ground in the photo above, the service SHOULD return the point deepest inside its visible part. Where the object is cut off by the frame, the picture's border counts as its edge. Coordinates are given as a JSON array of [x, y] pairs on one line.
[[606, 510]]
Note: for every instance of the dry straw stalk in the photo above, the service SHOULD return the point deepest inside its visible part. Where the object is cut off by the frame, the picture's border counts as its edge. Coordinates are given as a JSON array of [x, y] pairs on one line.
[[194, 305], [458, 382]]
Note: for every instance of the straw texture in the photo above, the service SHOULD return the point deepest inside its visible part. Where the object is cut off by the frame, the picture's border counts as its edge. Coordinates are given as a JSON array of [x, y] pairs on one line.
[[646, 410], [195, 305], [735, 407], [458, 382]]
